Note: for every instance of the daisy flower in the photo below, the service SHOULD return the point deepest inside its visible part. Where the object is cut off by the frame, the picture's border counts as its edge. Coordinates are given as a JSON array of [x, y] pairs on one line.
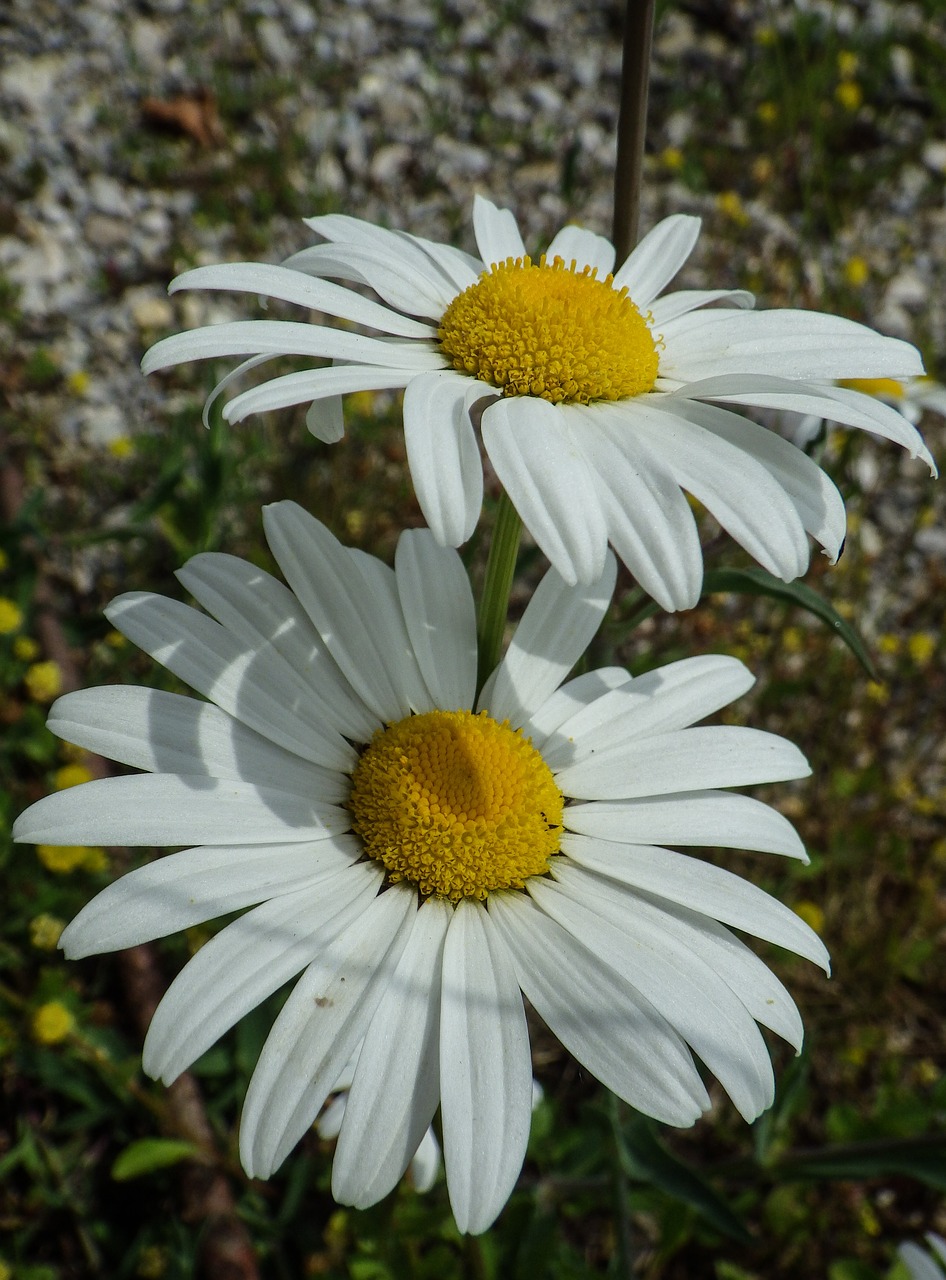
[[911, 397], [597, 388], [419, 857], [922, 1265]]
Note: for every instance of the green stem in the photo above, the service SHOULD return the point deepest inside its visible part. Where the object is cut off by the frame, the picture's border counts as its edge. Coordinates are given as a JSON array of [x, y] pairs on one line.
[[632, 123], [621, 1190], [494, 603]]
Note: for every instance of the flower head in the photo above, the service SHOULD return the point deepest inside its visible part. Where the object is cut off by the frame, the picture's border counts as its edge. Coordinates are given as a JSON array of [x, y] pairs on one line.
[[604, 398], [422, 855]]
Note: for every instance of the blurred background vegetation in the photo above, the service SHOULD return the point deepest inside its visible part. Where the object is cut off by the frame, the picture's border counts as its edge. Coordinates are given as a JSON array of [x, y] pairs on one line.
[[810, 137]]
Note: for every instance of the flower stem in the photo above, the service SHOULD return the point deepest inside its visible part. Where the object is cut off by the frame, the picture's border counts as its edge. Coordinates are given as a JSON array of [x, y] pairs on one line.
[[632, 123], [494, 602]]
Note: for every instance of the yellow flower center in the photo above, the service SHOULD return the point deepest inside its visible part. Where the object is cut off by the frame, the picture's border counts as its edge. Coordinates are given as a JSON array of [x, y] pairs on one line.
[[457, 804], [889, 387], [550, 331]]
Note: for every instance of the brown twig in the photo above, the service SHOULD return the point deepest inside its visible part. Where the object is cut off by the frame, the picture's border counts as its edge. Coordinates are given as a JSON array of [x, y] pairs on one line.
[[226, 1251]]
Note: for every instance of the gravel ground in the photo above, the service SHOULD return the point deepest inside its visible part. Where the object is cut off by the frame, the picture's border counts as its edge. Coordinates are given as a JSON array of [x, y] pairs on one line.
[[141, 138]]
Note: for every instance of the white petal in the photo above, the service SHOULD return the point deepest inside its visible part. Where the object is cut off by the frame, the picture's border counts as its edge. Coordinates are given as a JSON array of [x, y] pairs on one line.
[[246, 962], [290, 338], [187, 888], [701, 887], [314, 384], [443, 453], [683, 301], [918, 1263], [553, 633], [542, 468], [672, 697], [261, 611], [740, 492], [396, 1088], [159, 808], [785, 343], [700, 818], [584, 248], [168, 733], [417, 290], [438, 608], [600, 1018], [814, 495], [412, 256], [658, 258], [325, 419], [496, 232], [251, 681], [460, 268], [379, 589], [567, 700], [228, 380], [322, 1022], [306, 291], [675, 980], [685, 760], [354, 627], [425, 1163], [650, 524], [485, 1069]]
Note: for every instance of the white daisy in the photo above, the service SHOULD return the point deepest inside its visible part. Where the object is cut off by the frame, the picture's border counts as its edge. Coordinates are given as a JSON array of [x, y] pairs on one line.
[[922, 1265], [597, 388], [422, 856], [911, 397]]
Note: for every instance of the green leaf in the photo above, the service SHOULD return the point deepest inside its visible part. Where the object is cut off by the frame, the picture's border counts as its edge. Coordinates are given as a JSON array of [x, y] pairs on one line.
[[921, 1158], [645, 1160], [757, 582], [150, 1154]]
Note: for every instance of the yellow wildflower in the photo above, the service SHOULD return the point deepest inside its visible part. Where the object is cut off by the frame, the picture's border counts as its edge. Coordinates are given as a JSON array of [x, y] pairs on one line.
[[78, 382], [856, 272], [52, 1023], [921, 647], [848, 64], [43, 681], [71, 775], [811, 913], [45, 931], [11, 616], [61, 858], [767, 112], [672, 158], [849, 94], [121, 447], [730, 205], [25, 648]]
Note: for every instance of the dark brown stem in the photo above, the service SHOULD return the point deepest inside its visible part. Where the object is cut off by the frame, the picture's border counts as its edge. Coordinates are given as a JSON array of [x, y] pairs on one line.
[[632, 124]]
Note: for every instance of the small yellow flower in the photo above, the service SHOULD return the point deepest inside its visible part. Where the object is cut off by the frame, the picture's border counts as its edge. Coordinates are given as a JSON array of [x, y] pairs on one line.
[[927, 1071], [25, 648], [43, 681], [767, 112], [363, 402], [793, 639], [121, 447], [878, 692], [849, 94], [52, 1023], [869, 1220], [78, 382], [890, 643], [71, 775], [766, 37], [848, 64], [61, 858], [115, 640], [95, 861], [811, 913], [45, 931], [672, 158], [730, 206], [11, 616], [921, 647], [856, 272], [763, 170]]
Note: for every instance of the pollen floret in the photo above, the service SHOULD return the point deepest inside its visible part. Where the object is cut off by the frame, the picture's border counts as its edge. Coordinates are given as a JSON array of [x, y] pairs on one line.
[[457, 804], [550, 330]]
